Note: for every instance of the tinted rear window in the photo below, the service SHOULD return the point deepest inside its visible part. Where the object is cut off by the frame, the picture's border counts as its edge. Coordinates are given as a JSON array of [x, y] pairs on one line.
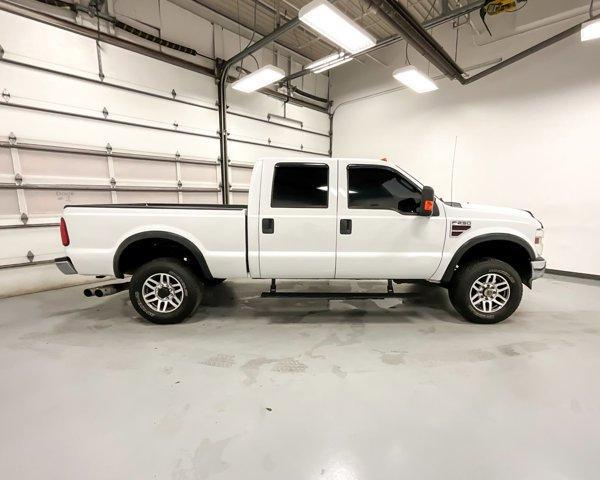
[[300, 186]]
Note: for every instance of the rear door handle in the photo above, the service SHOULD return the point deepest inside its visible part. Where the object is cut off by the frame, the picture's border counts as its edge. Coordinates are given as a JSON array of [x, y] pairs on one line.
[[346, 226], [268, 225]]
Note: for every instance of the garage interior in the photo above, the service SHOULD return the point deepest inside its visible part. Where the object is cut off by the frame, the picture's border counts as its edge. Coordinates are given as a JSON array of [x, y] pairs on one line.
[[130, 101]]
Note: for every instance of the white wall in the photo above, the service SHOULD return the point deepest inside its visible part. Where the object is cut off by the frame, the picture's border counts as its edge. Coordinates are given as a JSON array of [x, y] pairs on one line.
[[67, 178], [526, 136]]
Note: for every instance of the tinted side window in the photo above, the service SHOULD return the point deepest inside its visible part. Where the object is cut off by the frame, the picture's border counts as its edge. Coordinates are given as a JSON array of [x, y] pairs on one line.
[[300, 186], [381, 188]]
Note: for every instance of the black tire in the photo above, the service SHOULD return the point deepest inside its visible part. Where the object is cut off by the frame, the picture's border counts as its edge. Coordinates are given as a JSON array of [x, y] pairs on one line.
[[214, 282], [464, 280], [188, 297]]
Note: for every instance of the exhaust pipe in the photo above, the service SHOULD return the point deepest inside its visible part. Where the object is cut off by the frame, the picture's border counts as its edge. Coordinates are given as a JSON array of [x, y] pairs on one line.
[[106, 290]]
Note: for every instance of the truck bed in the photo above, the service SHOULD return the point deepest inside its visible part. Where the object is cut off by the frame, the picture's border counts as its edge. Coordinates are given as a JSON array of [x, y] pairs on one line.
[[97, 231], [185, 206]]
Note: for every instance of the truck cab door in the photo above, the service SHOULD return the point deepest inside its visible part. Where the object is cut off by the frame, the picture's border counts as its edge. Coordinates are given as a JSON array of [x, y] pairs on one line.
[[297, 219], [380, 234]]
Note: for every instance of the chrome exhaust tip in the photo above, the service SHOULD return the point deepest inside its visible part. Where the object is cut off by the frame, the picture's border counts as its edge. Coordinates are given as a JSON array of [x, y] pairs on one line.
[[106, 290]]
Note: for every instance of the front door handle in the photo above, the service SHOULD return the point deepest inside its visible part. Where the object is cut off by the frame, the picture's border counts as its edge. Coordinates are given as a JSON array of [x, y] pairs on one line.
[[346, 226], [268, 225]]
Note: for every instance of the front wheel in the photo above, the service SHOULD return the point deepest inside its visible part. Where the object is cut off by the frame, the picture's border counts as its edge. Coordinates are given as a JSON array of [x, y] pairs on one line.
[[165, 291], [486, 291]]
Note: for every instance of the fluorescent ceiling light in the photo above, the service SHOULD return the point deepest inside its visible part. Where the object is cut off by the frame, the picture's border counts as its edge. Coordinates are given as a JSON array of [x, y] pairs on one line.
[[259, 78], [414, 79], [590, 30], [328, 62], [322, 61], [331, 65], [328, 21]]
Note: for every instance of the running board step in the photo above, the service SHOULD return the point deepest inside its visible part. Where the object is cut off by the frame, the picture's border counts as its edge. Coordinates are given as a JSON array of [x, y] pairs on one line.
[[338, 295]]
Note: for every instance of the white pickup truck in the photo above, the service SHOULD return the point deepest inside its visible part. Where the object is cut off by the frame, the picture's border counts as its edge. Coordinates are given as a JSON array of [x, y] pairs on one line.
[[310, 219]]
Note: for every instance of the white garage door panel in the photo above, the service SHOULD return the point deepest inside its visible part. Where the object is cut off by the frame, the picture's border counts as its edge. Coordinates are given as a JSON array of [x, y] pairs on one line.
[[129, 68], [200, 173], [290, 141], [9, 205], [245, 127], [238, 198], [60, 129], [34, 42], [150, 197], [6, 167], [312, 119], [46, 90], [241, 152], [240, 176], [52, 202], [50, 167], [201, 197], [253, 104], [142, 172], [44, 243]]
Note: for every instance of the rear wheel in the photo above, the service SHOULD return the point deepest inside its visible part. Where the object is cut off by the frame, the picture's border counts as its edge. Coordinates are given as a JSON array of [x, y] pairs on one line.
[[165, 291], [486, 291]]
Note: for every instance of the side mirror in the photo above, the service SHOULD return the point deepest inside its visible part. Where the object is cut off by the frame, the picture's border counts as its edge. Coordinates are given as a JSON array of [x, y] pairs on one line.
[[427, 202]]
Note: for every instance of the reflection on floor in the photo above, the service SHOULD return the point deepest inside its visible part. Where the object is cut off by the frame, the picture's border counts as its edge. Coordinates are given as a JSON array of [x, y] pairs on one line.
[[254, 388]]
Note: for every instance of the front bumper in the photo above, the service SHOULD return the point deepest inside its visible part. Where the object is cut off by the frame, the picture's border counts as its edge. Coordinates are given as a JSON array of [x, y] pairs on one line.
[[65, 265], [538, 268]]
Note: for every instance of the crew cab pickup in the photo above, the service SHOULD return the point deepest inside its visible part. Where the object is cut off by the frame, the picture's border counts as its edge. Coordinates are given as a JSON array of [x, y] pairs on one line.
[[310, 219]]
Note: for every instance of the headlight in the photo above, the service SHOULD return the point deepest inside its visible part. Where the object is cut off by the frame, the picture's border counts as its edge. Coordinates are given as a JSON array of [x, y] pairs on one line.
[[539, 241]]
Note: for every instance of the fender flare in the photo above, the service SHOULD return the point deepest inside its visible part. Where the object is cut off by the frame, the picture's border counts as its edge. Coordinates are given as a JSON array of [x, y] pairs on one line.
[[163, 236], [481, 239]]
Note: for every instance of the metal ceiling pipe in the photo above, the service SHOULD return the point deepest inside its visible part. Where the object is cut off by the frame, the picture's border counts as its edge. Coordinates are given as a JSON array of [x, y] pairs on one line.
[[305, 71], [418, 37], [530, 51], [434, 22], [223, 76]]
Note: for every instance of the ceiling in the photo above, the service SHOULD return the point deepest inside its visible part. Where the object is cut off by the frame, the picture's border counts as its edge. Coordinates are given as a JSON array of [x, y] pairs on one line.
[[263, 16]]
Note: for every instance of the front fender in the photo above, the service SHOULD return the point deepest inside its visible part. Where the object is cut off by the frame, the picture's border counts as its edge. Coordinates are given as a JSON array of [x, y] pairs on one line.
[[486, 237]]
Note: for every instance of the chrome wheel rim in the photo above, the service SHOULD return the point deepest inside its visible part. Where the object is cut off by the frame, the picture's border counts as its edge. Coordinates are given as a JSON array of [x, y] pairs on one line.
[[162, 292], [489, 293]]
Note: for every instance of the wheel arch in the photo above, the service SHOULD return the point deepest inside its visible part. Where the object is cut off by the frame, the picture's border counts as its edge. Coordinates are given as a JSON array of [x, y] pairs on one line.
[[157, 236], [517, 245]]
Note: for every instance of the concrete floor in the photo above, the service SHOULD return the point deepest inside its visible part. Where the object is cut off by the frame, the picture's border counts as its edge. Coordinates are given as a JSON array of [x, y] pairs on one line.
[[277, 389]]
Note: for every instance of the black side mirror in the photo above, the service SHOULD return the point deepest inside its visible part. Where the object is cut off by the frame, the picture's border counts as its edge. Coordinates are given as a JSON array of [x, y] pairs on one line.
[[427, 202]]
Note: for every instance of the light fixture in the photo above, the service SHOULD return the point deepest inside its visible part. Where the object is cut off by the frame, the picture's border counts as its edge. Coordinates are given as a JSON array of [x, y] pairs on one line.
[[414, 79], [328, 21], [331, 65], [325, 60], [328, 62], [259, 78], [590, 30]]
